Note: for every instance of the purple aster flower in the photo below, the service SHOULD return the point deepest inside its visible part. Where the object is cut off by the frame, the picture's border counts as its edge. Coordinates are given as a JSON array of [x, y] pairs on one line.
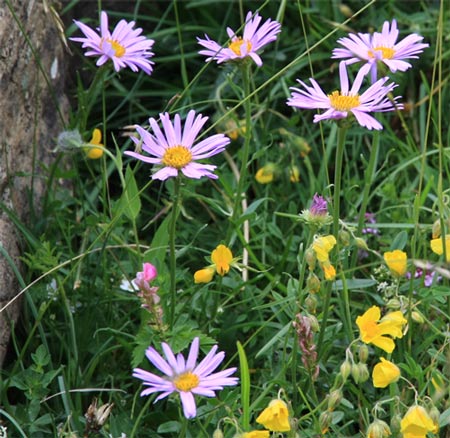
[[185, 376], [319, 206], [174, 150], [251, 41], [125, 47], [339, 104], [380, 47]]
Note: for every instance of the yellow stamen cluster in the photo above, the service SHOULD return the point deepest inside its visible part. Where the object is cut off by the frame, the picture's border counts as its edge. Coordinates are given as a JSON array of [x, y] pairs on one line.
[[119, 50], [386, 52], [186, 381], [236, 45], [342, 102], [177, 157]]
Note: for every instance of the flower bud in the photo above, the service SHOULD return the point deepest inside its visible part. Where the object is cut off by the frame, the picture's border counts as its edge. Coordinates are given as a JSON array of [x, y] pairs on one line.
[[344, 237], [313, 283], [434, 414], [361, 243], [393, 304], [310, 258], [311, 303], [315, 326], [436, 229], [378, 429], [218, 433], [417, 317], [363, 353], [360, 372], [396, 424], [346, 369], [334, 399], [325, 420]]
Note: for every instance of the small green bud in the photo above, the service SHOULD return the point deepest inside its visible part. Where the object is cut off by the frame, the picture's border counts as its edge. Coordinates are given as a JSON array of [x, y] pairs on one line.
[[344, 237], [311, 303], [361, 243], [417, 317], [218, 433], [378, 429], [393, 304], [334, 399], [346, 369], [395, 424], [313, 283], [325, 420], [363, 353], [310, 258]]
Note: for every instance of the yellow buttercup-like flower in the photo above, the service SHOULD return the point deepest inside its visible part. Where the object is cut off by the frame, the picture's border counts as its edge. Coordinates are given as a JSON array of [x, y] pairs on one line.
[[396, 261], [322, 246], [384, 373], [222, 259], [438, 248], [328, 270], [94, 153], [417, 423], [275, 417], [373, 329], [266, 174]]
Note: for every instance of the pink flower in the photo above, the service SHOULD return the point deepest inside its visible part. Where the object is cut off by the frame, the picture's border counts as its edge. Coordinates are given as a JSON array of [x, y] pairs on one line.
[[252, 40], [185, 377], [341, 104], [125, 47], [148, 273], [174, 150], [380, 47]]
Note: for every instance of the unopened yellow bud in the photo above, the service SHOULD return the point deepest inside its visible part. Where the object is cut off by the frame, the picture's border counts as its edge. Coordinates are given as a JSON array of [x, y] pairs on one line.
[[417, 317], [325, 420], [311, 303], [393, 304], [361, 243], [378, 429], [218, 433], [344, 237], [436, 229], [313, 283], [345, 10], [310, 258]]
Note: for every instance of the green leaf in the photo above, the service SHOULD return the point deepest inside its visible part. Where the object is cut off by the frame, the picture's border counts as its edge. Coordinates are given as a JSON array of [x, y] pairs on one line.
[[400, 240], [129, 203], [245, 386]]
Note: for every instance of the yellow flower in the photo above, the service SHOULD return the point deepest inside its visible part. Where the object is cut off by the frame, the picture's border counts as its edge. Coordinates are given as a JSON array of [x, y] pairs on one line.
[[396, 261], [384, 373], [372, 329], [322, 247], [417, 423], [204, 275], [437, 247], [94, 153], [275, 417], [222, 257], [256, 434], [266, 174], [328, 270]]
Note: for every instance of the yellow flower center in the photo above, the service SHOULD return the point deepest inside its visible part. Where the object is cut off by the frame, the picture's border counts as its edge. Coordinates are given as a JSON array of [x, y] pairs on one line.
[[386, 52], [177, 157], [342, 102], [119, 50], [236, 45], [186, 381]]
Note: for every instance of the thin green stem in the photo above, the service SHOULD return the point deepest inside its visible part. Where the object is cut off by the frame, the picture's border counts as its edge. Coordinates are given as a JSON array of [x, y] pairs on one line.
[[336, 212], [245, 150], [172, 255]]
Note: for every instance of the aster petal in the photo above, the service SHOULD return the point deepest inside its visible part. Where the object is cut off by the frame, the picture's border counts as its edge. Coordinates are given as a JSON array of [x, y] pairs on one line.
[[204, 367], [210, 146], [192, 127], [188, 402], [367, 120], [164, 173], [193, 354], [157, 360], [198, 170]]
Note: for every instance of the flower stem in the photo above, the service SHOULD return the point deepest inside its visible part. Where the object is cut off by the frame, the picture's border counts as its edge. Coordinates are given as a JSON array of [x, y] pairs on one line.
[[336, 212], [245, 152], [172, 255]]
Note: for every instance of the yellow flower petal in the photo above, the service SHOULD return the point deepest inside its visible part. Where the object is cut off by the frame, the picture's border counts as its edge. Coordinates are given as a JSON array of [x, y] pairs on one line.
[[384, 373], [275, 417], [266, 174], [396, 261], [329, 271], [94, 153], [204, 275], [437, 247], [257, 434], [222, 258], [322, 247], [417, 423]]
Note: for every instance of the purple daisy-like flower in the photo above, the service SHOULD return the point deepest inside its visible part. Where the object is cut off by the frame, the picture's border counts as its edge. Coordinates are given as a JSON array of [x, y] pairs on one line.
[[185, 376], [174, 149], [340, 104], [381, 47], [125, 46], [252, 40], [319, 206]]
